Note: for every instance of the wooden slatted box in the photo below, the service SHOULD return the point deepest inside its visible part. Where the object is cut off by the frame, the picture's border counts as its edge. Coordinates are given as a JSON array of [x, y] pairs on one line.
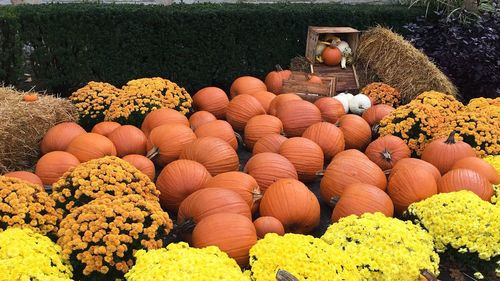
[[297, 83]]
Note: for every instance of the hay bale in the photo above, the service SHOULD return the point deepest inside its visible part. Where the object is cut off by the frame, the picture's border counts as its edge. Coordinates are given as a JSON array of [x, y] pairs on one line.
[[398, 63], [23, 125]]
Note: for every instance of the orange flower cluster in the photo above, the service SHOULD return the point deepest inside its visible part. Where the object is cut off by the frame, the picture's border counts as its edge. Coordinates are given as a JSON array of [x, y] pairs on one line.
[[95, 178], [101, 237], [478, 103], [23, 204], [447, 105], [381, 93]]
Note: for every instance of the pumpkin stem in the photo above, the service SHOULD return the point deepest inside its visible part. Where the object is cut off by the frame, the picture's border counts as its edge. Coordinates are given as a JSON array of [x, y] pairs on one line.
[[387, 172], [320, 173], [428, 275], [335, 199], [451, 138], [179, 230], [375, 129], [283, 275], [278, 68], [153, 152], [240, 139], [386, 155]]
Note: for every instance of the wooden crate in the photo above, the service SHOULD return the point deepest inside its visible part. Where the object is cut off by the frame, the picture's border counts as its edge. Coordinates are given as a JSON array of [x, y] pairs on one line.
[[297, 83]]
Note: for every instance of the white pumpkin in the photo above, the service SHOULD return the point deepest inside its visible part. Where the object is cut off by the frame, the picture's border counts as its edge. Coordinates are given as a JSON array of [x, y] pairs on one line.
[[343, 98], [359, 103]]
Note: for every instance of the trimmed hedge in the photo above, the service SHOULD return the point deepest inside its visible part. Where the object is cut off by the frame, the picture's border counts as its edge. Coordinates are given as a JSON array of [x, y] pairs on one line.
[[67, 45]]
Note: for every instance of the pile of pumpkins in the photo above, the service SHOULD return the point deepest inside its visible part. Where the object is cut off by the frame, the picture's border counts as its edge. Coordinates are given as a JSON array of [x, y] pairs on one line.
[[196, 167]]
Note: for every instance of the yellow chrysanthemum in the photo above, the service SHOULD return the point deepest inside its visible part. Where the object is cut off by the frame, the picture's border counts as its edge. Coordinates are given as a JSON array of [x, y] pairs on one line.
[[494, 160], [26, 255], [179, 262]]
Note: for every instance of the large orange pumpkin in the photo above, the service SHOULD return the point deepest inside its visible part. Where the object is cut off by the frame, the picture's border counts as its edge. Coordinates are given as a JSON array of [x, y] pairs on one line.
[[444, 152], [243, 184], [293, 204], [260, 126], [331, 56], [246, 85], [269, 143], [346, 170], [464, 179], [267, 167], [386, 151], [105, 128], [25, 176], [305, 155], [408, 185], [297, 115], [213, 153], [331, 109], [274, 79], [211, 99], [351, 153], [128, 139], [479, 166], [162, 116], [241, 109], [280, 99], [199, 118], [178, 180], [265, 98], [90, 146], [219, 129], [233, 234], [169, 140], [374, 114], [327, 136], [53, 165], [413, 163], [360, 198], [357, 132], [265, 225], [142, 163], [58, 137]]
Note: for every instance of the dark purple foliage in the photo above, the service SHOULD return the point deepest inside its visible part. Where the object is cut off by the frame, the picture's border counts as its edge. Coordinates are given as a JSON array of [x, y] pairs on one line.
[[467, 53]]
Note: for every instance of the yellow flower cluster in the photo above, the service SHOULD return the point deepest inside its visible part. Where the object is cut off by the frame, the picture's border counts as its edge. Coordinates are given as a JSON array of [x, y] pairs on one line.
[[462, 221], [494, 160], [381, 93], [92, 102], [384, 248], [95, 178], [23, 204], [479, 103], [448, 105], [26, 255], [179, 262], [305, 257], [101, 237], [142, 96]]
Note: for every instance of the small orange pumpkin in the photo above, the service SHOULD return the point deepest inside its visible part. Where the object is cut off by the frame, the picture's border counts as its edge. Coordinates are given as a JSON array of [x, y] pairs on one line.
[[327, 136], [30, 98], [269, 143], [213, 100], [267, 224], [331, 109], [105, 128], [169, 140], [162, 116], [265, 98], [331, 56], [278, 100], [464, 179], [90, 146], [357, 132], [479, 166], [314, 79], [246, 85], [128, 139], [213, 153], [268, 167], [374, 114], [199, 118], [219, 129], [53, 165], [260, 126], [297, 115], [241, 109], [386, 151], [58, 137], [25, 176], [305, 155], [274, 79], [142, 163]]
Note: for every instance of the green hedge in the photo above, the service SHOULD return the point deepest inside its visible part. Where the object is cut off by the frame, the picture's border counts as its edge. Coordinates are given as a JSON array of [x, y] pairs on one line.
[[193, 45]]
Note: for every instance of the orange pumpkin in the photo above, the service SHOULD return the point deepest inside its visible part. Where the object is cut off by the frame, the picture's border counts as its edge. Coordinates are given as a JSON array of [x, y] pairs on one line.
[[25, 176], [357, 132], [351, 153], [269, 143], [169, 140], [331, 56], [128, 139], [53, 165], [374, 114], [408, 185], [360, 198], [243, 184], [219, 129], [162, 116], [142, 163], [213, 100], [105, 128], [233, 234], [314, 79], [278, 100], [293, 204], [213, 153], [90, 146], [386, 151], [327, 136], [331, 109], [413, 163], [58, 137], [464, 179], [305, 155], [479, 166], [178, 180], [246, 85], [297, 115], [268, 167], [274, 79], [241, 109], [199, 118], [265, 225], [30, 98], [346, 170], [260, 126], [265, 98]]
